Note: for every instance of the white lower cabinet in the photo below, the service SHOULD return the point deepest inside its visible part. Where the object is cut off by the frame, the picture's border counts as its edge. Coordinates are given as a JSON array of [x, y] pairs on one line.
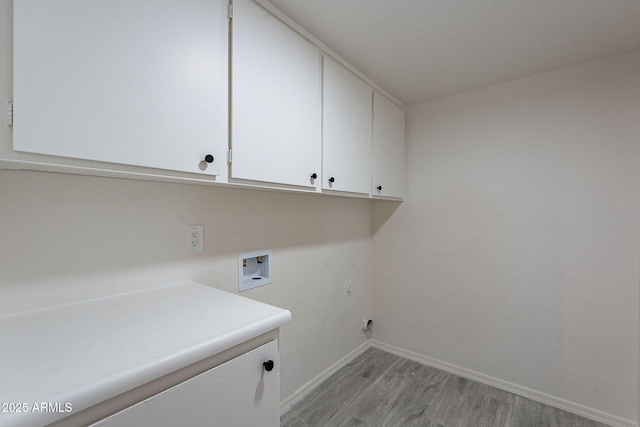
[[240, 392]]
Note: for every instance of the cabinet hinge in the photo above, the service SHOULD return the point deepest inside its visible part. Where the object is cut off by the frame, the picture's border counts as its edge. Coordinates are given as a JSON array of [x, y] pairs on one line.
[[229, 157], [9, 114], [230, 10]]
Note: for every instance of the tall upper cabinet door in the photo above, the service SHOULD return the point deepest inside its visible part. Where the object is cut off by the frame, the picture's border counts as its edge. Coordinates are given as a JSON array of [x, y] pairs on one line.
[[388, 148], [132, 82], [276, 100], [346, 129]]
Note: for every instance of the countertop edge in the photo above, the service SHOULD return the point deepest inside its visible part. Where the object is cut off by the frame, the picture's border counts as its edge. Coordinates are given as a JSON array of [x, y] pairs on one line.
[[95, 392]]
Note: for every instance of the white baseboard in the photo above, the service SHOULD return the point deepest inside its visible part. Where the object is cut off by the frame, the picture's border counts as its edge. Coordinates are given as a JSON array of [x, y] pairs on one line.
[[307, 388], [583, 411]]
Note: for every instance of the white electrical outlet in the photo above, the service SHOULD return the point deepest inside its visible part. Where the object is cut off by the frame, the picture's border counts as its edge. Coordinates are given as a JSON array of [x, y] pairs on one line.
[[195, 238], [348, 288]]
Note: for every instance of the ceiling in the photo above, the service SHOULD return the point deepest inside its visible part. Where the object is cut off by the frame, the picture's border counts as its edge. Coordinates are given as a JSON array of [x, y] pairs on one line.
[[423, 49]]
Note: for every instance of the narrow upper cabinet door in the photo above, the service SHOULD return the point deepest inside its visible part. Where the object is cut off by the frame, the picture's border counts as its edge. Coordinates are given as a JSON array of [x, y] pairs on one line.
[[132, 82], [388, 148], [346, 129], [276, 100]]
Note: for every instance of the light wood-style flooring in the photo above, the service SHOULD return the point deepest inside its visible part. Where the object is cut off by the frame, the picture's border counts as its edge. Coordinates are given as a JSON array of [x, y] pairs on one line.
[[381, 389]]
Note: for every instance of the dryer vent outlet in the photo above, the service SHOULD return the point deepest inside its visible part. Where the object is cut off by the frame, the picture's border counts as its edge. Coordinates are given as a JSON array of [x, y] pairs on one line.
[[367, 324]]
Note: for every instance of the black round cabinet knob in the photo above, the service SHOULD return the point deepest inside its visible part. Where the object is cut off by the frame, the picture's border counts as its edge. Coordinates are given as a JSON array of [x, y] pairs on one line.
[[379, 187], [268, 365], [332, 180], [314, 175], [208, 158]]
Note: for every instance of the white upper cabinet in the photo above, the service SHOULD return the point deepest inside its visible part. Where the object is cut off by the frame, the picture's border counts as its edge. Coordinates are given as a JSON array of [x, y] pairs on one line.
[[162, 89], [346, 130], [388, 148], [141, 83], [276, 100]]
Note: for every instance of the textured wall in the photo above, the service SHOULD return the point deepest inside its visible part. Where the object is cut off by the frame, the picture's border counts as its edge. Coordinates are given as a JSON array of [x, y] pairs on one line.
[[515, 254], [67, 238]]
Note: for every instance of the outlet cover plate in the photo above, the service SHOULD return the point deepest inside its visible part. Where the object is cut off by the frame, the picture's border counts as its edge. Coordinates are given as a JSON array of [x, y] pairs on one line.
[[195, 238]]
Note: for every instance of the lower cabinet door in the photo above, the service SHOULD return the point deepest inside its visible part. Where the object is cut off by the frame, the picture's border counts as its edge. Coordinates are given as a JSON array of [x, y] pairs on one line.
[[240, 392]]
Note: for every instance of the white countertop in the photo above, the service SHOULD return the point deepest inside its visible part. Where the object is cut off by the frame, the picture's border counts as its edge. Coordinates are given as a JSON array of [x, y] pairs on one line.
[[88, 352]]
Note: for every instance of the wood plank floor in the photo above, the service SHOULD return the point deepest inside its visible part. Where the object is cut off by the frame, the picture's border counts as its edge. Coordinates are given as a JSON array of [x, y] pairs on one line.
[[381, 389]]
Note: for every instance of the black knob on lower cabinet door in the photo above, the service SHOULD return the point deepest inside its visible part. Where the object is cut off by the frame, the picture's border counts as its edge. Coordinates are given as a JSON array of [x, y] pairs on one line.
[[268, 365], [314, 175], [208, 158], [379, 187], [332, 180]]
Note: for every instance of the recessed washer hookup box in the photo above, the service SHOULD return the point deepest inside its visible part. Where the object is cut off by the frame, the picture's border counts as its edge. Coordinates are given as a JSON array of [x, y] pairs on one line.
[[254, 269]]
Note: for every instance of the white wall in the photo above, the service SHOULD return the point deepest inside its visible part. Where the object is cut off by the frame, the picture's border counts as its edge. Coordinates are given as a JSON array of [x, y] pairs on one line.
[[515, 254], [65, 238]]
